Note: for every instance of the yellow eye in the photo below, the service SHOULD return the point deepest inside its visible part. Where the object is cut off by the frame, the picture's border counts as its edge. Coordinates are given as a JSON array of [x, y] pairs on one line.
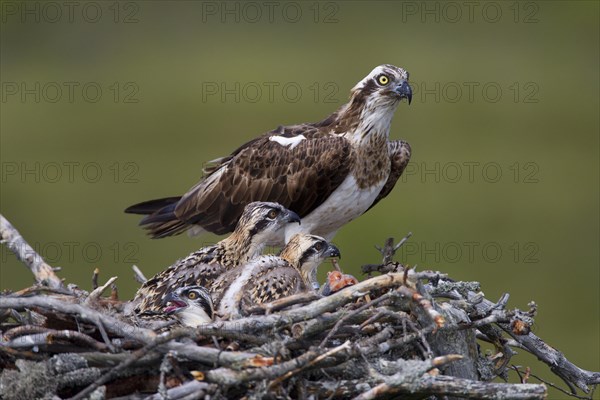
[[192, 295], [273, 213], [383, 80], [318, 246]]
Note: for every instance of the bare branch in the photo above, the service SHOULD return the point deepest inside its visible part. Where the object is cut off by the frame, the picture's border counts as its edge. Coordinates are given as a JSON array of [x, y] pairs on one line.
[[44, 273], [138, 274]]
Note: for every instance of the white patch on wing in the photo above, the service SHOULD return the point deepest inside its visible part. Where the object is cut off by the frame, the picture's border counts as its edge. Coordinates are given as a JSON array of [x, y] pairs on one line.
[[345, 204], [284, 141]]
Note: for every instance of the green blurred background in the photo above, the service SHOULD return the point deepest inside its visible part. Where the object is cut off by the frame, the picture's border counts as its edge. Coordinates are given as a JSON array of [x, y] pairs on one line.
[[105, 104]]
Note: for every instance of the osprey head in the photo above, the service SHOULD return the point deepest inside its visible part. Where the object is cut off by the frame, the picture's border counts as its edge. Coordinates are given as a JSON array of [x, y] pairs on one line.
[[191, 305], [385, 85], [265, 222], [306, 252]]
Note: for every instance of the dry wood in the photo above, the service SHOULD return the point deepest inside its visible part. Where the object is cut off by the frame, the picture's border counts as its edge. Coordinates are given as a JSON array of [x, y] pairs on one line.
[[404, 333], [43, 273]]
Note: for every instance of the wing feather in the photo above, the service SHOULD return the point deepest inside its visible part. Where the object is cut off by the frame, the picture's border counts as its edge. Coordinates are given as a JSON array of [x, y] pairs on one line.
[[399, 156], [274, 284], [299, 176], [195, 269]]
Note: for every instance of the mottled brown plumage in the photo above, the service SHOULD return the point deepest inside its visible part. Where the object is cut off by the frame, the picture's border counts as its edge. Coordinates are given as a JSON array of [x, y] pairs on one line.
[[260, 223], [345, 162], [268, 278], [399, 151]]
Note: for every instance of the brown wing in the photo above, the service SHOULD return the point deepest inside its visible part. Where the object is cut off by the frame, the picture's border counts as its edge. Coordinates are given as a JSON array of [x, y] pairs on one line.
[[399, 156], [299, 177], [195, 269]]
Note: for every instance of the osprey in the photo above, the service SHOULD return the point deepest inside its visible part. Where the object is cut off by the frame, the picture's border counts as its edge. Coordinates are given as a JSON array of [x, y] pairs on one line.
[[268, 278], [329, 172], [190, 305], [260, 223]]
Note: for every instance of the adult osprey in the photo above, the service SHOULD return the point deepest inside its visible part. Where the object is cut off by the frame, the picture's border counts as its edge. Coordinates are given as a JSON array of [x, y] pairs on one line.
[[260, 223], [328, 172]]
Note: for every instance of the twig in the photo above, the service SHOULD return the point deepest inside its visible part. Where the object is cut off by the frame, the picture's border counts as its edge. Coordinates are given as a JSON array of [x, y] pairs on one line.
[[344, 346], [558, 363], [516, 368], [455, 387], [285, 318], [389, 250], [51, 336], [85, 313], [135, 356], [96, 293], [44, 274], [138, 274], [351, 314], [187, 389], [280, 304]]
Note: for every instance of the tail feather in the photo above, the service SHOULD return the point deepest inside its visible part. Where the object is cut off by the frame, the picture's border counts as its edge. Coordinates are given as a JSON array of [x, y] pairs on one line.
[[152, 206], [159, 230], [160, 219]]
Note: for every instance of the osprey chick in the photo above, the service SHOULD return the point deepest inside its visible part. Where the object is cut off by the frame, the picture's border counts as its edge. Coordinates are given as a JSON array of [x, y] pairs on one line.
[[260, 223], [329, 172], [191, 305], [268, 278]]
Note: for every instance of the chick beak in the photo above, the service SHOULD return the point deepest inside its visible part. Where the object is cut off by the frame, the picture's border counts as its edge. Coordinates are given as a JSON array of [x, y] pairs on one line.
[[172, 303], [332, 251]]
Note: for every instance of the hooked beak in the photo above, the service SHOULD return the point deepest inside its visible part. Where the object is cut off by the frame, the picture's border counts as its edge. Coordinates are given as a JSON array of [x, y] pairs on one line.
[[292, 217], [332, 251], [172, 303], [404, 91]]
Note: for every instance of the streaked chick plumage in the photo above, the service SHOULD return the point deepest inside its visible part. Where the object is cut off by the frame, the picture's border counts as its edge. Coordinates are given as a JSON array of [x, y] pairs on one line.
[[268, 278], [260, 223]]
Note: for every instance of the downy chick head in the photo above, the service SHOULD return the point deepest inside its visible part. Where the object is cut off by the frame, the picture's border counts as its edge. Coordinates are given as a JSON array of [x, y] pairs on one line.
[[191, 305]]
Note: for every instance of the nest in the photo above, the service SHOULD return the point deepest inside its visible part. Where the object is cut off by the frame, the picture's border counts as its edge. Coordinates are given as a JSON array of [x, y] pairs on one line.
[[401, 333]]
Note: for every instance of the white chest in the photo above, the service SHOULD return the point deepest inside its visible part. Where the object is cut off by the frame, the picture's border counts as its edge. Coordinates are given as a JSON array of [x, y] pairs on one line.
[[229, 304], [345, 204]]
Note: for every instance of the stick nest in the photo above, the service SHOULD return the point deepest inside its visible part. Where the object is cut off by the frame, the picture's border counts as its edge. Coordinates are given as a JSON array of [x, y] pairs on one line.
[[401, 333]]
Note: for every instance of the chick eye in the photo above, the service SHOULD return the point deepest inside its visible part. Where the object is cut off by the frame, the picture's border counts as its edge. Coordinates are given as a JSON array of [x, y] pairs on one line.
[[272, 214], [192, 295], [383, 80]]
